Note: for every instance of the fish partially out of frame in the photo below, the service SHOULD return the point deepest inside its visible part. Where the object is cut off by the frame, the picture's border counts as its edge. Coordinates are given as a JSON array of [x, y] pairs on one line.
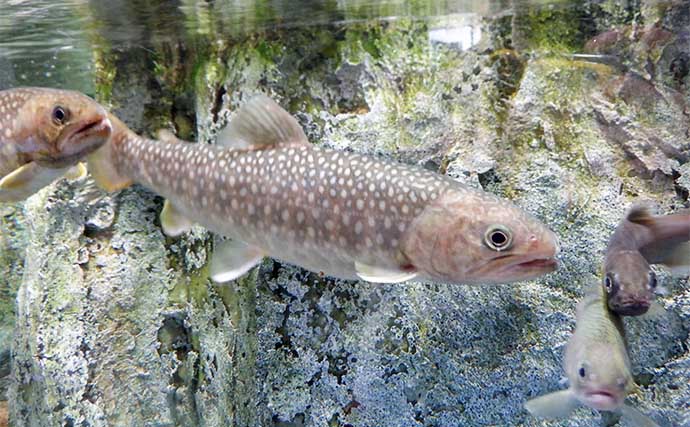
[[639, 240], [597, 365], [43, 134], [342, 214]]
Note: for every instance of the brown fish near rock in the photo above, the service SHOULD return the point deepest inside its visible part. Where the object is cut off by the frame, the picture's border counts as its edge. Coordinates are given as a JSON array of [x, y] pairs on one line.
[[43, 134], [639, 240], [342, 214]]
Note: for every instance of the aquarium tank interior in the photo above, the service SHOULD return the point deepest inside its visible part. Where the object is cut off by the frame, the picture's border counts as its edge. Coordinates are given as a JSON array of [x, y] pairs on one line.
[[344, 213]]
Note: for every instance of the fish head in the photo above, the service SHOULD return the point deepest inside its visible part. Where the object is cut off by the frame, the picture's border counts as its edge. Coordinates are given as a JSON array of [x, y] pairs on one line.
[[629, 283], [55, 128], [474, 237], [598, 374]]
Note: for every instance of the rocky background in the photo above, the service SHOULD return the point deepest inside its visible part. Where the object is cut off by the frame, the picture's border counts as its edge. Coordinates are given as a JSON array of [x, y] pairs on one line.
[[114, 324]]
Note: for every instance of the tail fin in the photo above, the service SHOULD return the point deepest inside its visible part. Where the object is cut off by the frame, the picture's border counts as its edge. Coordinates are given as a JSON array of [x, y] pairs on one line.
[[101, 162]]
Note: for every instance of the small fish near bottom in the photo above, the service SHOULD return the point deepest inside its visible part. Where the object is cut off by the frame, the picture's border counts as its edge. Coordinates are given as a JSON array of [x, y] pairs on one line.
[[597, 366]]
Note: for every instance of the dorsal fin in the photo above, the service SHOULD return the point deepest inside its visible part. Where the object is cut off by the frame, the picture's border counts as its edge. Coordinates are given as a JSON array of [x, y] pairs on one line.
[[640, 213], [165, 135], [259, 124]]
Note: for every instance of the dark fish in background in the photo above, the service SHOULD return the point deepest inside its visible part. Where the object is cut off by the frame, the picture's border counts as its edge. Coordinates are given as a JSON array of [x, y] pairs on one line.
[[597, 365], [43, 135], [639, 240], [342, 214]]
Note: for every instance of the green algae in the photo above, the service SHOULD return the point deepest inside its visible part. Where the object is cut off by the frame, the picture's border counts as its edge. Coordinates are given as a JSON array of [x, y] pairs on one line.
[[11, 262], [557, 27]]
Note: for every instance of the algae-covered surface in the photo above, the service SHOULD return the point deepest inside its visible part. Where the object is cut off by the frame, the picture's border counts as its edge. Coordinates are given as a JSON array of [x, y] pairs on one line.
[[574, 110]]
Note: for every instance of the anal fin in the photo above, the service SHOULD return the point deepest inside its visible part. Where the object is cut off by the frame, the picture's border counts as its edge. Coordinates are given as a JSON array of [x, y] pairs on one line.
[[27, 180], [172, 221], [232, 258], [382, 275], [558, 404]]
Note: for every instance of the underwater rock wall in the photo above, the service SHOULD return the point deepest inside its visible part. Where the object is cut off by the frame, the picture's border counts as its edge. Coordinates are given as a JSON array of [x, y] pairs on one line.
[[118, 325]]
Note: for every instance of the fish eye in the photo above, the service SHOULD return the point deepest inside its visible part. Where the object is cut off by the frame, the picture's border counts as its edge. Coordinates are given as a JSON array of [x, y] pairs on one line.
[[498, 238], [608, 283], [60, 115], [581, 372], [652, 280]]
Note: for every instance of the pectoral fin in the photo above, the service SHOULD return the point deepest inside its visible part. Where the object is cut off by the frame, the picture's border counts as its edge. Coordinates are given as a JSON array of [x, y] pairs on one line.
[[232, 258], [172, 221], [382, 275], [668, 241], [558, 404], [636, 418], [27, 180], [678, 260], [76, 172], [103, 170]]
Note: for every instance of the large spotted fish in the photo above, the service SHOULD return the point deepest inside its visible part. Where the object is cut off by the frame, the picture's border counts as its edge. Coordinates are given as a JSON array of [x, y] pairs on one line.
[[597, 365], [342, 214], [639, 240], [43, 134]]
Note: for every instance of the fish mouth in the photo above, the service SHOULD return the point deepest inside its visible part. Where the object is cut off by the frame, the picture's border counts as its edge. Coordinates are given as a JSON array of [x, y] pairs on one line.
[[80, 139], [532, 268], [538, 263], [629, 308], [601, 399], [525, 267], [513, 268]]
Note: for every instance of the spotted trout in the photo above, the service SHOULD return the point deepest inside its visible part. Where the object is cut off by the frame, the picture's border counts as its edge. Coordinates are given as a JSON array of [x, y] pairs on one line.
[[341, 214], [639, 240], [597, 365], [43, 134]]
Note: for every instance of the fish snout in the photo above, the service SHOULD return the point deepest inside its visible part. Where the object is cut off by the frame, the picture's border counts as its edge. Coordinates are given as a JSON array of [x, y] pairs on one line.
[[634, 305], [546, 243], [82, 138]]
